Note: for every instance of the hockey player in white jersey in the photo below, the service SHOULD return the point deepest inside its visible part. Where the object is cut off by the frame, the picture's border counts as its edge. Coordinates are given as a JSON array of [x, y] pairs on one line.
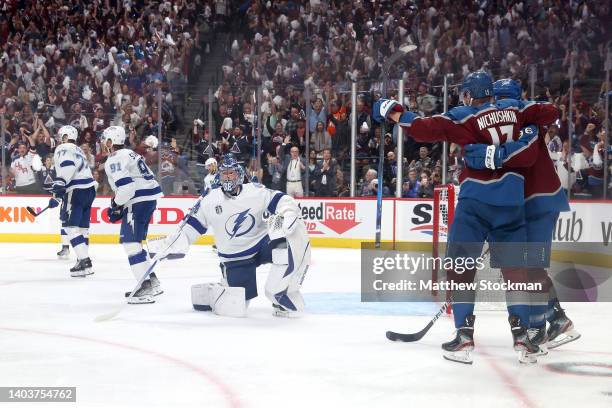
[[74, 186], [136, 194], [211, 175], [252, 226]]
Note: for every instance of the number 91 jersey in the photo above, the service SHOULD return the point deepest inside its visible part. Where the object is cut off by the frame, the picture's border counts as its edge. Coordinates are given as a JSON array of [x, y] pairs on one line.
[[130, 178], [71, 167]]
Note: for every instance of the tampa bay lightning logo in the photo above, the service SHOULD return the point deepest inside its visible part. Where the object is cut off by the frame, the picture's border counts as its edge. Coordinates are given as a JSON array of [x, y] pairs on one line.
[[239, 224]]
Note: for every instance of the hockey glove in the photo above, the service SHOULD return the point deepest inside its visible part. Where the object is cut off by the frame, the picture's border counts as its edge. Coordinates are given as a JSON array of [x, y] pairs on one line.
[[383, 107], [481, 156], [115, 212], [58, 188], [53, 202]]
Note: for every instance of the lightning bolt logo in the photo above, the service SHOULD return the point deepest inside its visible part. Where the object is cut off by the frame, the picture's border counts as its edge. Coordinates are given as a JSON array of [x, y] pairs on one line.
[[238, 228]]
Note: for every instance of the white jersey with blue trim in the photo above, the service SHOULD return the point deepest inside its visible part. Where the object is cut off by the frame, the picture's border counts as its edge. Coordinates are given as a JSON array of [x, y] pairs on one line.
[[130, 178], [239, 222], [71, 167]]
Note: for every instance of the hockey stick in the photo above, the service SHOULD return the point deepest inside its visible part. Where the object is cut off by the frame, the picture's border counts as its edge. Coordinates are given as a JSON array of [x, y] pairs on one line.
[[33, 212], [410, 337], [156, 259]]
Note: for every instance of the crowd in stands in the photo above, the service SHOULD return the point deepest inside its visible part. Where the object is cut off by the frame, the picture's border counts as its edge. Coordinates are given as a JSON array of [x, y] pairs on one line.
[[93, 64], [294, 61], [303, 56]]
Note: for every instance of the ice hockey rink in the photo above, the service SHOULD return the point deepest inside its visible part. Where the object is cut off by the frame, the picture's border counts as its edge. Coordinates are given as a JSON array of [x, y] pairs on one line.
[[168, 355]]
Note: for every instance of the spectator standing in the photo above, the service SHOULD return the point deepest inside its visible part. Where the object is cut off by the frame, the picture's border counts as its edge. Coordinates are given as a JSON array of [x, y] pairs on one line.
[[168, 168], [294, 169], [275, 171], [317, 114], [425, 190], [325, 175], [24, 169], [320, 139], [410, 188]]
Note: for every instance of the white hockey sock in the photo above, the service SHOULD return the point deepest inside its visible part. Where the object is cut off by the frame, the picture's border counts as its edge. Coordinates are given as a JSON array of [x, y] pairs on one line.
[[78, 242], [85, 233], [137, 257], [65, 240]]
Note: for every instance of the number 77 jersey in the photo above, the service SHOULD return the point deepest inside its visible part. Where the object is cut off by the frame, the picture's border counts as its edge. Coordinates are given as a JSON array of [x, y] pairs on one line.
[[491, 124], [130, 178], [71, 167]]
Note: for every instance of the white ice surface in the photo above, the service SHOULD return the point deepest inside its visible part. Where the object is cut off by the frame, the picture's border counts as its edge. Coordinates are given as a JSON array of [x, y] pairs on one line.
[[167, 355]]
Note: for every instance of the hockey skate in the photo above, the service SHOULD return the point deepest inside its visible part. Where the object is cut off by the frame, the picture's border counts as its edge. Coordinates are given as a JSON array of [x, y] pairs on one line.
[[280, 311], [460, 348], [527, 351], [143, 295], [64, 252], [81, 269], [538, 337], [561, 330], [156, 289]]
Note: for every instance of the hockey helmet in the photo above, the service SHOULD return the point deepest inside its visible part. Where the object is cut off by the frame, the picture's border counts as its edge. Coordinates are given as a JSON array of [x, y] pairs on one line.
[[68, 133], [477, 85], [114, 133], [506, 88]]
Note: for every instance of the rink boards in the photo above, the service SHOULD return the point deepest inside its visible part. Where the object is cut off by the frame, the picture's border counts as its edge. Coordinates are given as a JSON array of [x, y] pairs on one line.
[[330, 222]]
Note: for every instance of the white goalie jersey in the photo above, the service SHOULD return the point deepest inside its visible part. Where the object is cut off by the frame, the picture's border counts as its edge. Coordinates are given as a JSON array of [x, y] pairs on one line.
[[130, 178], [239, 222], [71, 167]]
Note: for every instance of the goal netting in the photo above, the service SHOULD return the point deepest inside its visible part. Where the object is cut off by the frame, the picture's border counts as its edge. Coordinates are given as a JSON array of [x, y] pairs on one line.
[[445, 200]]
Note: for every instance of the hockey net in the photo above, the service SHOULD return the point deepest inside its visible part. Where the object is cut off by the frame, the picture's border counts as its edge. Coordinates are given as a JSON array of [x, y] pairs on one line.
[[445, 201]]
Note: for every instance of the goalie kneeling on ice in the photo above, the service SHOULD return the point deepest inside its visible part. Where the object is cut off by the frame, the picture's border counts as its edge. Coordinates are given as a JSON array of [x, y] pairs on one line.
[[220, 299]]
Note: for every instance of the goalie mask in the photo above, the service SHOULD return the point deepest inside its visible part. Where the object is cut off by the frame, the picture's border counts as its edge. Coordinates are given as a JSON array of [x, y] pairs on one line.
[[231, 174]]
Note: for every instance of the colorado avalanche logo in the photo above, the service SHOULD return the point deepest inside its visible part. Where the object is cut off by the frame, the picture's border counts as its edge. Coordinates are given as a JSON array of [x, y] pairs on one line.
[[239, 224]]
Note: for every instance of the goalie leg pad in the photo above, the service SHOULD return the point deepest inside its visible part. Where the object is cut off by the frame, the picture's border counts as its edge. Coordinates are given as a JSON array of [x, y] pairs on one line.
[[221, 300], [284, 280]]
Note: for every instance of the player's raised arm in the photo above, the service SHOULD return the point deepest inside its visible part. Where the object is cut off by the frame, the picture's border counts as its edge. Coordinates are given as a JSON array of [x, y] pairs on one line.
[[454, 125]]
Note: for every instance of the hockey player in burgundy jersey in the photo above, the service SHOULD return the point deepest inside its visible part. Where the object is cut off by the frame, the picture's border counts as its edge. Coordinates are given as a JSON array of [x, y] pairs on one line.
[[491, 202], [544, 200]]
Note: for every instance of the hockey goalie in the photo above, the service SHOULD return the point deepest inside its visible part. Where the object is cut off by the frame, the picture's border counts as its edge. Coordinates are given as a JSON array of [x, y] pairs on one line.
[[252, 226]]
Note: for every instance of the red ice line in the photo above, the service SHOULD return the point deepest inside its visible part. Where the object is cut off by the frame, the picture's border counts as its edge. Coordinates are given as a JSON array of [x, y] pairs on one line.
[[230, 396]]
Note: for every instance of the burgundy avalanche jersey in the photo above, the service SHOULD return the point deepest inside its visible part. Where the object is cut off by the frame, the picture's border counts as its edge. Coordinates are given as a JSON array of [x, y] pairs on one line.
[[492, 124]]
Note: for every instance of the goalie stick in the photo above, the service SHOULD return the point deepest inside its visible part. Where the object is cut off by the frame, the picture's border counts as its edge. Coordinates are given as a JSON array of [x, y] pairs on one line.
[[410, 337], [156, 259]]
